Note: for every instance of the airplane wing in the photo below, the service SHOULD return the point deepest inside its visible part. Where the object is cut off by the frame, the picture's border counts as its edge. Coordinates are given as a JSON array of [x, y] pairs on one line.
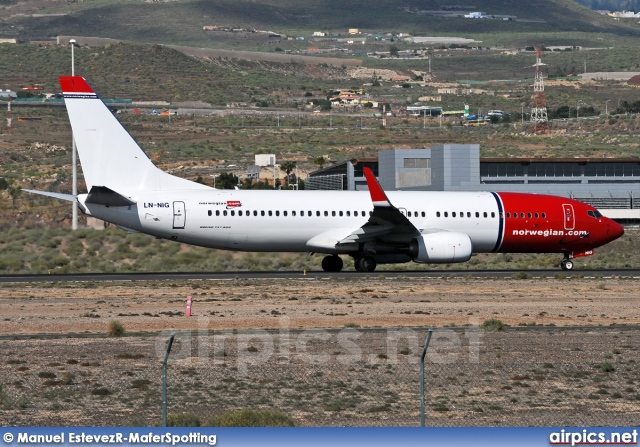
[[386, 223], [56, 195]]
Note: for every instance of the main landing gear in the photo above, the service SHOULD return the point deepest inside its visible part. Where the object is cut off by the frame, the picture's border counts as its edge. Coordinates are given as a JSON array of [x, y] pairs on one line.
[[365, 264], [332, 263], [566, 264]]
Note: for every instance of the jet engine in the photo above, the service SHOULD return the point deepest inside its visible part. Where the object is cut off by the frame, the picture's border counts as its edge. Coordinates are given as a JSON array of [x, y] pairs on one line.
[[440, 248]]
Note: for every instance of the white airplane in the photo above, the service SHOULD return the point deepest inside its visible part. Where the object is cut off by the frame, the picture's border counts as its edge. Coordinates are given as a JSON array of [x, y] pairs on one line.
[[374, 227]]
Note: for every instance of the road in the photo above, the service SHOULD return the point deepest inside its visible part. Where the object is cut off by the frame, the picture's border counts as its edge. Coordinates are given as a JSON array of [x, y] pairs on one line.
[[173, 276]]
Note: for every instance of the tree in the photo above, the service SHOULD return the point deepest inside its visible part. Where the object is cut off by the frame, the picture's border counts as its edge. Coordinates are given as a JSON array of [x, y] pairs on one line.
[[287, 167], [393, 51], [227, 180], [14, 193], [320, 161], [325, 104]]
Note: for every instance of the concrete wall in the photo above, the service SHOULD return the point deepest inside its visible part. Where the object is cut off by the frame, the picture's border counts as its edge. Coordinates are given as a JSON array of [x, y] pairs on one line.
[[393, 175]]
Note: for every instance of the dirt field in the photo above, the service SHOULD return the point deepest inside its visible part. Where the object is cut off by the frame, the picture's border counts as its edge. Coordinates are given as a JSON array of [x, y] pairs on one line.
[[246, 346], [309, 303]]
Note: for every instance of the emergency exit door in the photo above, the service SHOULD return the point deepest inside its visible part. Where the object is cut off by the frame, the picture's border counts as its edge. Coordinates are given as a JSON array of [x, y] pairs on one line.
[[178, 215]]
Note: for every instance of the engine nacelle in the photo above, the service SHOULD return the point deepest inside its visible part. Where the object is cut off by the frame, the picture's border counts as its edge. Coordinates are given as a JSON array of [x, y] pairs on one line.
[[441, 248]]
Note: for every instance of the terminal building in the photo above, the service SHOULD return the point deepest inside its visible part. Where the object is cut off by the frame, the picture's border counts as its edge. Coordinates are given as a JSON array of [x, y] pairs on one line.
[[610, 184]]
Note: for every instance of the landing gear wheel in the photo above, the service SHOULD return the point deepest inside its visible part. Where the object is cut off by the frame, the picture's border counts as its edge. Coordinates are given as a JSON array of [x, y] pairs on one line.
[[332, 263], [366, 264], [566, 264]]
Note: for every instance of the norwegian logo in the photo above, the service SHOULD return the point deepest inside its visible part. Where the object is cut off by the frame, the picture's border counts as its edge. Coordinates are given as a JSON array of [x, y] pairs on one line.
[[233, 204]]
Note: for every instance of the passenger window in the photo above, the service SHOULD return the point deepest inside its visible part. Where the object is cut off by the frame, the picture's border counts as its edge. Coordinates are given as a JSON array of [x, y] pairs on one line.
[[240, 213], [423, 214], [348, 213], [293, 213], [317, 213], [370, 213], [309, 213], [233, 213], [493, 215], [508, 215], [437, 213], [333, 213], [277, 213], [485, 214], [209, 212], [461, 213], [529, 215], [284, 213], [544, 215], [408, 213], [477, 214], [224, 213], [453, 214], [522, 215], [468, 213], [446, 214], [217, 212], [536, 215], [262, 213], [270, 213], [326, 213]]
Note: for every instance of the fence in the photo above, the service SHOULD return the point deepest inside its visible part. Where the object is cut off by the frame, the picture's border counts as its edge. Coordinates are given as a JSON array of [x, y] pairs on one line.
[[537, 376]]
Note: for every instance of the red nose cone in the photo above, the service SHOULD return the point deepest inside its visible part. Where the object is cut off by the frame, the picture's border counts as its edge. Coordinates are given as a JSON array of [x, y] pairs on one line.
[[616, 230]]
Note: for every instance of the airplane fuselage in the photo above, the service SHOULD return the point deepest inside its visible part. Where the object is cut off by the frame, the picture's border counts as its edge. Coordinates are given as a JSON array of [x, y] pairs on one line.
[[287, 220]]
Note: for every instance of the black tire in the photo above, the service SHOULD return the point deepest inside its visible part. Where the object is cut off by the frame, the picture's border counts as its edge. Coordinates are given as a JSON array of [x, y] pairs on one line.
[[566, 264], [357, 265], [368, 264], [332, 263]]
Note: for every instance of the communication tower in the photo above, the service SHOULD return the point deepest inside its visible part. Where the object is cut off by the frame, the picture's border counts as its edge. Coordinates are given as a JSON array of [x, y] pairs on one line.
[[539, 109]]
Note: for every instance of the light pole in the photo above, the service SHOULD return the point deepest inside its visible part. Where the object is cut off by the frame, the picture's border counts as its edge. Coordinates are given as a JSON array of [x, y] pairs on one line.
[[74, 157], [606, 107], [578, 108]]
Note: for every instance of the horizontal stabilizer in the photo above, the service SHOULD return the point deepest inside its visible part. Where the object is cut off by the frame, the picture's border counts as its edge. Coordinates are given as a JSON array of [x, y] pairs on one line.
[[55, 195], [101, 195]]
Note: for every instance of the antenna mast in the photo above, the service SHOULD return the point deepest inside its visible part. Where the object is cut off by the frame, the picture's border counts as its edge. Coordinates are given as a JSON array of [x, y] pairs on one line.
[[539, 109]]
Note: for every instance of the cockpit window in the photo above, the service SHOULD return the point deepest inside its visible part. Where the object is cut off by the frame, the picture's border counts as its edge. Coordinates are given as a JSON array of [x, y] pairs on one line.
[[594, 213]]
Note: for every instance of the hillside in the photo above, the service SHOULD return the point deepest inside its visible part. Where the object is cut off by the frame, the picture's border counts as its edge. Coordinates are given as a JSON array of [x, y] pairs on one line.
[[612, 5], [181, 22]]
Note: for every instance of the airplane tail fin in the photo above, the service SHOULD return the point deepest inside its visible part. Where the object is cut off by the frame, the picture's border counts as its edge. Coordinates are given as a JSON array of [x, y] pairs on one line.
[[110, 157]]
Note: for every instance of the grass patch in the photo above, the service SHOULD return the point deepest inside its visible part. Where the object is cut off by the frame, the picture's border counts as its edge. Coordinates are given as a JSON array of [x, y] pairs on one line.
[[251, 418]]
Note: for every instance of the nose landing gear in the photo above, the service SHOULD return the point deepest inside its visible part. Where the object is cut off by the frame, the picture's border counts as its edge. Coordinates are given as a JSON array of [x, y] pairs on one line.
[[566, 264]]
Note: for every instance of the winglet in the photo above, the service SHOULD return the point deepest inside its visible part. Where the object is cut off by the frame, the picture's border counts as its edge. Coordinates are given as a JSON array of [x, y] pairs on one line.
[[378, 197]]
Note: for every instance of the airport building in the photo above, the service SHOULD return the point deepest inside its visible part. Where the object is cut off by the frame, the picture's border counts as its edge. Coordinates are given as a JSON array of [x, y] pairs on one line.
[[610, 184]]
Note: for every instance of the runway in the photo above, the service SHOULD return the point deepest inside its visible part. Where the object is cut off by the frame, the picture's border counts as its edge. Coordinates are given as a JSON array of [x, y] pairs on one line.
[[387, 274]]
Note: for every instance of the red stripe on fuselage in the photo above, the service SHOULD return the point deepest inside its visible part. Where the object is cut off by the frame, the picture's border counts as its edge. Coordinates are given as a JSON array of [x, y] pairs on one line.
[[539, 223]]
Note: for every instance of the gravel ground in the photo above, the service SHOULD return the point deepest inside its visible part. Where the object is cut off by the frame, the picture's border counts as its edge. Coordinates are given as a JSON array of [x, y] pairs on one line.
[[326, 352]]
